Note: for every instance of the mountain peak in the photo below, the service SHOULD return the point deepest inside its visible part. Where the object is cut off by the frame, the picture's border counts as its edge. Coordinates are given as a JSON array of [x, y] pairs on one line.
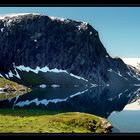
[[10, 15]]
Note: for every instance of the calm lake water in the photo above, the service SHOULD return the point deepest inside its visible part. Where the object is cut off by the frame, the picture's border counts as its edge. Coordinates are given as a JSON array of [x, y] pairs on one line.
[[126, 121], [105, 102]]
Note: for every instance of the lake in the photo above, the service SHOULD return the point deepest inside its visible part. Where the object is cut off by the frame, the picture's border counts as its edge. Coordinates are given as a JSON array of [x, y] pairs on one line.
[[126, 121], [107, 102]]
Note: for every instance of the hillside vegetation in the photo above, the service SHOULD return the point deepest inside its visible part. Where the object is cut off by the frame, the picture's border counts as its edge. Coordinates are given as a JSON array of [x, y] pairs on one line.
[[11, 86], [43, 121]]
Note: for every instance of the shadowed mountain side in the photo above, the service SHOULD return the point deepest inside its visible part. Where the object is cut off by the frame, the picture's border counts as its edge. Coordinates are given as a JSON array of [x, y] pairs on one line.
[[39, 49]]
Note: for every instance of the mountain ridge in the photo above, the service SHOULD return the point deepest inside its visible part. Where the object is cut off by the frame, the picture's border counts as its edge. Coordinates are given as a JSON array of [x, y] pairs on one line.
[[73, 48]]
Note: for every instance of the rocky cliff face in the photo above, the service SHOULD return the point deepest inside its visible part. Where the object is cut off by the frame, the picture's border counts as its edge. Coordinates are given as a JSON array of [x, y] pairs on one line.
[[38, 49]]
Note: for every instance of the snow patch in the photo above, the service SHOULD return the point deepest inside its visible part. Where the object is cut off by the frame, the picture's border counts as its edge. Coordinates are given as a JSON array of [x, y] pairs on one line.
[[37, 102], [7, 76], [76, 85], [1, 76], [133, 106], [37, 69], [2, 16], [10, 74], [16, 75], [129, 94], [35, 40], [42, 86], [57, 18], [119, 73], [83, 26], [10, 99], [129, 74], [110, 99], [11, 15], [78, 93], [137, 85], [110, 70], [126, 90], [55, 86], [46, 69], [2, 29], [125, 78], [120, 95], [78, 77], [94, 85], [9, 22], [135, 76], [15, 101]]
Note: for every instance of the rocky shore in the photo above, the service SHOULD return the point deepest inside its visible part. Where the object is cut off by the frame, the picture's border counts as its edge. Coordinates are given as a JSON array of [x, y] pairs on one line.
[[10, 86]]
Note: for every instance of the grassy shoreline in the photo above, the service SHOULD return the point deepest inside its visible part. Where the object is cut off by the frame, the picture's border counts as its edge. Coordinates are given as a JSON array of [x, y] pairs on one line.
[[11, 86], [44, 121]]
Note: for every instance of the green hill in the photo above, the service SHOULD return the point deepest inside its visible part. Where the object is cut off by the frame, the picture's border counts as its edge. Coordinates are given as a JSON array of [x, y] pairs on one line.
[[43, 121], [11, 86]]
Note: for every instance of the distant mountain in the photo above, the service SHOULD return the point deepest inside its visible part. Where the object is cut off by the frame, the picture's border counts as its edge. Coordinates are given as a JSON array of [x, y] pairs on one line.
[[42, 50], [132, 61]]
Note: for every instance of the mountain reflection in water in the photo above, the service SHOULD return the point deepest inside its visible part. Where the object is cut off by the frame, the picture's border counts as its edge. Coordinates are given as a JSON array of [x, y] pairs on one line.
[[95, 100]]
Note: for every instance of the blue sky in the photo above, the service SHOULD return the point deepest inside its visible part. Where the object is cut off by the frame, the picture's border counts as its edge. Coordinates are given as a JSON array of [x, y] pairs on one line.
[[118, 27]]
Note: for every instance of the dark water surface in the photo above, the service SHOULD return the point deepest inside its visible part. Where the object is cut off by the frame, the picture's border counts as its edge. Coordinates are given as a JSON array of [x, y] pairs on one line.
[[105, 102]]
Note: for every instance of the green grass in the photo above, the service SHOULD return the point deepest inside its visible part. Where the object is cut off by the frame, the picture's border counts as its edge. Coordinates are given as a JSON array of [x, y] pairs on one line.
[[44, 121], [12, 85], [4, 82]]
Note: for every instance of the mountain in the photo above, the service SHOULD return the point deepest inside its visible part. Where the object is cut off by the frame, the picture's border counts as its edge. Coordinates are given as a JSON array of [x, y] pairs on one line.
[[39, 50]]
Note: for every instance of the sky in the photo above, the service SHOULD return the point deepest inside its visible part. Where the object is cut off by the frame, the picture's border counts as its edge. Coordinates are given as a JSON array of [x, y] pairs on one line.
[[118, 27]]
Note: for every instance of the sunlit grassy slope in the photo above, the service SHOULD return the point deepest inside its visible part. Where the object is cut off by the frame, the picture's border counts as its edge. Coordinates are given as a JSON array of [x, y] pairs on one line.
[[43, 121], [12, 85]]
